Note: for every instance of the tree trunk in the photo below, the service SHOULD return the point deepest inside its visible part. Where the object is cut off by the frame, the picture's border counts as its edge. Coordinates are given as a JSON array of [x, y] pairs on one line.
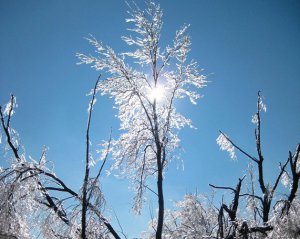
[[160, 218]]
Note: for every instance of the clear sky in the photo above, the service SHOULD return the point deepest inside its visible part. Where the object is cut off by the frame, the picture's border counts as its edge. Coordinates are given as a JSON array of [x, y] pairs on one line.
[[243, 46]]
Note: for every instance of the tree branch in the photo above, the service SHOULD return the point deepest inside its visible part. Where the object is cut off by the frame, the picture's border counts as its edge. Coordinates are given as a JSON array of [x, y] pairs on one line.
[[238, 148]]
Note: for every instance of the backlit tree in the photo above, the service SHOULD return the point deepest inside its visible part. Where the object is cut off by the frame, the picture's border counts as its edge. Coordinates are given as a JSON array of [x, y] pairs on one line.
[[144, 94]]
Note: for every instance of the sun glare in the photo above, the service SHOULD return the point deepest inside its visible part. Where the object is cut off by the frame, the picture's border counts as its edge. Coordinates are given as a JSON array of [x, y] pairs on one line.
[[156, 93]]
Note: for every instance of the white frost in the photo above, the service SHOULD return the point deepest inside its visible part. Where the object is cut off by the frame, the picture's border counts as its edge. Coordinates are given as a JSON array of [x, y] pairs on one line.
[[224, 144], [10, 106], [285, 179]]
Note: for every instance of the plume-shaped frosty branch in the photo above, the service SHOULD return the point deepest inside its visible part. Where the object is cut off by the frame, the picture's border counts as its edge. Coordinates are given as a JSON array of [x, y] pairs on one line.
[[261, 107], [226, 145]]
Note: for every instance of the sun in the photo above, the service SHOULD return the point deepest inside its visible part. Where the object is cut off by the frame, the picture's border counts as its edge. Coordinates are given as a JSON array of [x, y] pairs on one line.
[[157, 93]]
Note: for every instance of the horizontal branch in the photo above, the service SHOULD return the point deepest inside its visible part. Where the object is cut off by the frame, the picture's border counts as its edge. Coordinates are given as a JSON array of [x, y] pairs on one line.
[[220, 187]]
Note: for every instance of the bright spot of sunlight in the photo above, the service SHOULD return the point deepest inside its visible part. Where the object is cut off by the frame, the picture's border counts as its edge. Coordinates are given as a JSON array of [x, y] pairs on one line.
[[157, 93]]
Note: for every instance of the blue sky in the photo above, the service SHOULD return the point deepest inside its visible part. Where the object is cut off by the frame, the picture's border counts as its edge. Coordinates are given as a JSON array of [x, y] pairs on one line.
[[243, 47]]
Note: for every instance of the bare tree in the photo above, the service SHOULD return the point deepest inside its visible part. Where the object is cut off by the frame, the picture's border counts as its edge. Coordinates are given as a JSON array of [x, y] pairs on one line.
[[231, 210], [40, 182], [145, 99], [267, 190]]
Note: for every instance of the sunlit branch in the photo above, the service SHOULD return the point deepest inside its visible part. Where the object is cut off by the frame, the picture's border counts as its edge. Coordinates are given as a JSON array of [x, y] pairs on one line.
[[238, 148], [87, 165]]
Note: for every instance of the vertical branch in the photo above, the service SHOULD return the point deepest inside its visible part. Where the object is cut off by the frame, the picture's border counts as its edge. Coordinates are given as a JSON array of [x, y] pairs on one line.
[[160, 196], [258, 147], [232, 210], [235, 202], [6, 127], [294, 160], [267, 195], [253, 193], [160, 158], [159, 146], [220, 222], [257, 134], [12, 100], [87, 166]]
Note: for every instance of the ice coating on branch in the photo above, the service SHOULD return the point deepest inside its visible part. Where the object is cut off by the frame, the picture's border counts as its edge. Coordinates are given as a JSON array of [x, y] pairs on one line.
[[254, 119], [261, 107], [298, 164], [192, 217], [285, 179], [90, 107], [226, 145], [9, 107]]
